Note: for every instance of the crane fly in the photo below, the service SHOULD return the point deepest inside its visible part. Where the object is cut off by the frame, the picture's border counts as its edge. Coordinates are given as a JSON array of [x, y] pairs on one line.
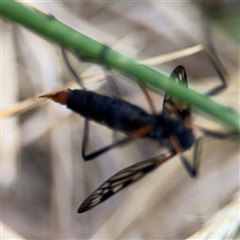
[[172, 128], [169, 131]]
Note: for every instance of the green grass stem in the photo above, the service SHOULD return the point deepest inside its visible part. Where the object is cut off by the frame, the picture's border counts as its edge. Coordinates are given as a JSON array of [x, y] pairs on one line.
[[53, 30]]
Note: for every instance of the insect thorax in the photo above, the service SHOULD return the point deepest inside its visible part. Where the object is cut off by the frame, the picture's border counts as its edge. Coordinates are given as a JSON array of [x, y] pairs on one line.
[[165, 127]]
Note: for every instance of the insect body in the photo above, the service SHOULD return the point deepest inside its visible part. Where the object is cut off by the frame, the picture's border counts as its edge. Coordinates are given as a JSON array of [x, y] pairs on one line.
[[169, 127], [125, 117]]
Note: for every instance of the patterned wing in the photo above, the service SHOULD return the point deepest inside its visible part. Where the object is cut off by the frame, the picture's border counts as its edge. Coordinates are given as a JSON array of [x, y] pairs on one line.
[[121, 180], [171, 105]]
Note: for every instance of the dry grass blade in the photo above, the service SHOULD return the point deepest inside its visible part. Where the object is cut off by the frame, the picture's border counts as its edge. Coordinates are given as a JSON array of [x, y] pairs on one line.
[[172, 56], [20, 107], [223, 225]]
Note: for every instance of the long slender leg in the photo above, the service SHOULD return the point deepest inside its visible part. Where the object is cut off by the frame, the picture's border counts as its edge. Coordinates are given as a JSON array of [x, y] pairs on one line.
[[116, 94], [193, 170], [211, 54], [111, 84], [149, 99], [217, 134], [136, 134], [92, 155], [79, 81], [71, 70]]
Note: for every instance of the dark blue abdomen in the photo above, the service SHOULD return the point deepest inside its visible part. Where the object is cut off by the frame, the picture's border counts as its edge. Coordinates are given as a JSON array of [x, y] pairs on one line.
[[111, 112]]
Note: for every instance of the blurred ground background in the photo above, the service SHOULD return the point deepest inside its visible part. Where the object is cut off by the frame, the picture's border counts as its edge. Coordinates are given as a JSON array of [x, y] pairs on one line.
[[43, 176]]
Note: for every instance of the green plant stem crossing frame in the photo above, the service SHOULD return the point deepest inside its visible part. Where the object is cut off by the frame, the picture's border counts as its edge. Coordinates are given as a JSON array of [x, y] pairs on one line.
[[90, 49]]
